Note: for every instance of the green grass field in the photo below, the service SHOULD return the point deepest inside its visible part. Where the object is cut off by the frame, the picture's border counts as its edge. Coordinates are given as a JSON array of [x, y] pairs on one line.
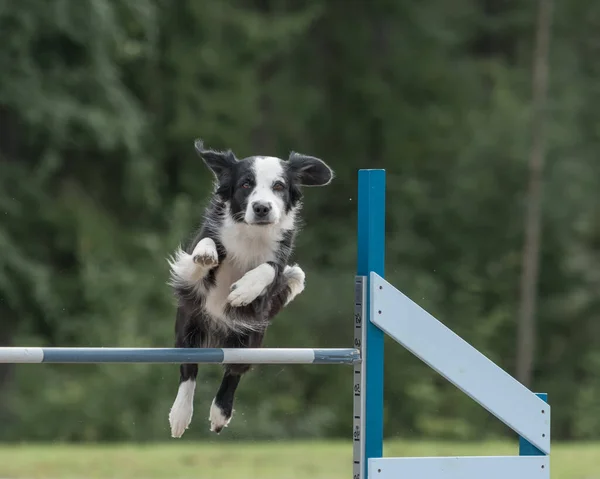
[[284, 460]]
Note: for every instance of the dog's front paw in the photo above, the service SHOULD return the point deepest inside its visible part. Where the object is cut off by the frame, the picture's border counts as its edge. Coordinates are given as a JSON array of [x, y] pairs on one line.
[[244, 291], [295, 275], [205, 253], [295, 278], [252, 285]]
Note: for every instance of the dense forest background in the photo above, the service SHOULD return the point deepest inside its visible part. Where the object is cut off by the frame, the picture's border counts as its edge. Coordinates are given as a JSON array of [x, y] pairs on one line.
[[100, 101]]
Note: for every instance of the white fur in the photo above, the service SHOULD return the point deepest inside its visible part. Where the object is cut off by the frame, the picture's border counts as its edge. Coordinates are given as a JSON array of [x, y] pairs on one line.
[[216, 297], [189, 270], [183, 269], [267, 170], [182, 410], [205, 253], [247, 246], [217, 419], [252, 285], [250, 245], [295, 280]]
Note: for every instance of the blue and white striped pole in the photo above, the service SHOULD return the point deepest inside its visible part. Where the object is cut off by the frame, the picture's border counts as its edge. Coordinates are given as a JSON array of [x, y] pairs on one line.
[[180, 355], [368, 385]]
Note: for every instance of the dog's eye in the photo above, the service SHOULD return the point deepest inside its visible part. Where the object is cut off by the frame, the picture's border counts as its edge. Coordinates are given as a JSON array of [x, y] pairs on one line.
[[246, 185], [278, 186]]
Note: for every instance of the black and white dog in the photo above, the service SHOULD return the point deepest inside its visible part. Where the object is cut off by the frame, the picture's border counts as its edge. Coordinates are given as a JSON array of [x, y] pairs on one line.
[[234, 277]]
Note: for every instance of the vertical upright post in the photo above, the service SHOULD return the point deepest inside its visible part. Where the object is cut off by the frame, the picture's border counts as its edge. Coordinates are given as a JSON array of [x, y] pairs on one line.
[[370, 257], [525, 447]]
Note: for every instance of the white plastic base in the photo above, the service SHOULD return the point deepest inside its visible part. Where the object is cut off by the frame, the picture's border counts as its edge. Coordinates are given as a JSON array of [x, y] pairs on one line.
[[479, 467]]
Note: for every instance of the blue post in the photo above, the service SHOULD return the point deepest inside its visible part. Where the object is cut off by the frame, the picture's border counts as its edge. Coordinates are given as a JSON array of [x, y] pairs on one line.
[[525, 447], [371, 253]]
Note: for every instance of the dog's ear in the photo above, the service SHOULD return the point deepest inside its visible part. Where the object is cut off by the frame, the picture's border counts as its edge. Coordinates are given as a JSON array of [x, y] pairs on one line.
[[220, 162], [310, 171]]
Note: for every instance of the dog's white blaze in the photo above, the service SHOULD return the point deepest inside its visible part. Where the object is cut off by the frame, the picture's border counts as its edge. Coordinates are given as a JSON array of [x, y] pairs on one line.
[[267, 170], [218, 420], [182, 410]]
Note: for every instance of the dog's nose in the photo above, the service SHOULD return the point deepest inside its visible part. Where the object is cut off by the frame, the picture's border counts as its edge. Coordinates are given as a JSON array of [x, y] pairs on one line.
[[261, 209]]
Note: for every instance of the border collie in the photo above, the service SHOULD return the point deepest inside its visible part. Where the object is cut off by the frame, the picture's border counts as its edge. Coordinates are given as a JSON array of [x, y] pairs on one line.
[[234, 277]]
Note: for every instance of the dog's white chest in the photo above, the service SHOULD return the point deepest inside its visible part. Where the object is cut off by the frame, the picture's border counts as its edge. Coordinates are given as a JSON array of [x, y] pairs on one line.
[[247, 247], [216, 297]]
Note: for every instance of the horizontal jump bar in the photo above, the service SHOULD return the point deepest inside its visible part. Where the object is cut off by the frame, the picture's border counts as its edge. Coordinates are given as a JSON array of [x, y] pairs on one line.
[[16, 355]]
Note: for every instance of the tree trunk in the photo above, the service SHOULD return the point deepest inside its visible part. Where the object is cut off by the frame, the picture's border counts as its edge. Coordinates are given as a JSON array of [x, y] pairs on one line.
[[526, 330]]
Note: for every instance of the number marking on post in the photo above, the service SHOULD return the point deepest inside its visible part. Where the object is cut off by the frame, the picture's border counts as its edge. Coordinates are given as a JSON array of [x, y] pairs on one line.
[[357, 425]]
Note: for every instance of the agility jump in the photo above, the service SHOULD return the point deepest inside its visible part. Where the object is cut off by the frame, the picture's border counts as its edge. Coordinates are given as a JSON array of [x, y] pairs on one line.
[[379, 309]]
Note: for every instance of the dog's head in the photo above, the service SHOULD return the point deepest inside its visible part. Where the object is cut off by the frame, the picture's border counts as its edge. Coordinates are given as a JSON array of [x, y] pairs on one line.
[[263, 190]]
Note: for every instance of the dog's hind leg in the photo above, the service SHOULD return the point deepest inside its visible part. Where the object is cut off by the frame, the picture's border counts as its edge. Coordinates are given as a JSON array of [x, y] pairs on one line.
[[182, 410], [221, 408]]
